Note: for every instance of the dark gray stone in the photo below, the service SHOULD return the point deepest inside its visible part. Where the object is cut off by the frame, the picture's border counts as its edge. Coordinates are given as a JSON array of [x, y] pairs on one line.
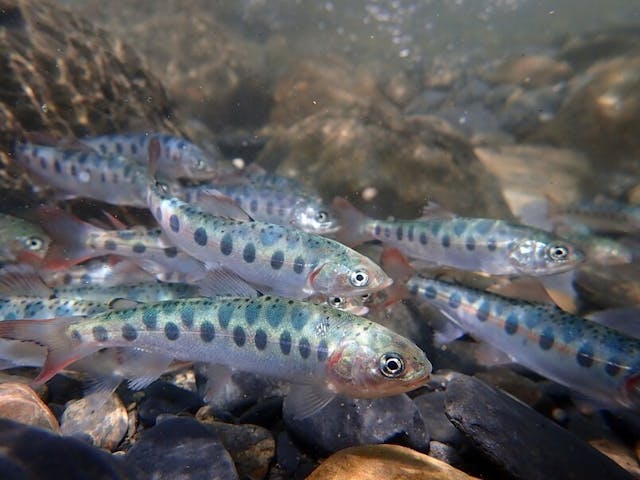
[[290, 460], [347, 422], [163, 397], [181, 449], [431, 406], [518, 439], [34, 453]]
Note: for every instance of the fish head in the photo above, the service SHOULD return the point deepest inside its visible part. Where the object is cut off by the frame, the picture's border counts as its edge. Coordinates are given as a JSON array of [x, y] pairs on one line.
[[376, 363], [533, 256], [350, 277], [355, 305], [195, 162], [313, 217]]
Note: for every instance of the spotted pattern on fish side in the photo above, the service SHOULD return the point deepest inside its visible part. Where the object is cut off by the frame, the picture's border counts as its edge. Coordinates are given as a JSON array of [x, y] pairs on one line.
[[273, 258], [588, 357], [85, 173], [26, 307], [491, 246], [299, 349]]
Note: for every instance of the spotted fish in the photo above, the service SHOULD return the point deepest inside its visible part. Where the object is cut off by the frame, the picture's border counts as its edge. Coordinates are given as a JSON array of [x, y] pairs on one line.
[[21, 241], [76, 241], [273, 205], [179, 158], [329, 350], [597, 361], [272, 258], [494, 247], [601, 215], [78, 173]]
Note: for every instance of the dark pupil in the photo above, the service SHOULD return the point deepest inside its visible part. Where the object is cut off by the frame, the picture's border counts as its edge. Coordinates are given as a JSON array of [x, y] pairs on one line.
[[359, 277], [336, 300], [393, 365], [559, 252]]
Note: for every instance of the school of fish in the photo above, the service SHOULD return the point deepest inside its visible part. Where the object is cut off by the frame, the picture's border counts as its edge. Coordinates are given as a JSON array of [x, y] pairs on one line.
[[251, 271]]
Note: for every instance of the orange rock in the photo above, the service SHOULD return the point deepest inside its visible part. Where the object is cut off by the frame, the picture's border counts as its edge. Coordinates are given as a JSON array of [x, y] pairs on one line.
[[373, 462], [20, 403]]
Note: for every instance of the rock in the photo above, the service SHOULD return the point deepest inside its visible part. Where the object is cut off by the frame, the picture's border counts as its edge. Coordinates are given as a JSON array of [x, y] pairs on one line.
[[518, 439], [243, 391], [163, 397], [445, 453], [346, 422], [30, 453], [290, 460], [563, 174], [181, 449], [63, 76], [505, 379], [20, 403], [619, 453], [105, 425], [431, 407], [531, 71], [600, 115], [251, 447], [221, 81], [609, 286], [372, 462]]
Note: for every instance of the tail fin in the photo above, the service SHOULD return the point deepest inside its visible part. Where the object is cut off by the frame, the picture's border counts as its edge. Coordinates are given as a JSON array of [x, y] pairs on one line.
[[51, 334], [69, 238], [351, 220]]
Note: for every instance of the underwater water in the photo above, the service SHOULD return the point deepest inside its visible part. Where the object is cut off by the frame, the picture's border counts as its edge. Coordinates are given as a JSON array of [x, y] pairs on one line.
[[289, 239]]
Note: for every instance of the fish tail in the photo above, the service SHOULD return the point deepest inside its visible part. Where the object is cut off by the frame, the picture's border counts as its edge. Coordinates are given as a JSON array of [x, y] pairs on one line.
[[69, 239], [51, 334], [351, 219]]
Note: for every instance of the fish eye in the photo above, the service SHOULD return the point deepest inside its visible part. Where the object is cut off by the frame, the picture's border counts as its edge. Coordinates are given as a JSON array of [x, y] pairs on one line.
[[336, 301], [34, 243], [359, 278], [558, 253], [322, 216], [391, 365]]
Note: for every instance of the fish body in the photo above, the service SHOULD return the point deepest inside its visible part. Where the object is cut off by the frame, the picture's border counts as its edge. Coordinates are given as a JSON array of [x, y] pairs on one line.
[[495, 247], [85, 173], [272, 205], [600, 216], [597, 361], [296, 341], [153, 291], [38, 308], [21, 240], [77, 241], [179, 158], [102, 271], [272, 258]]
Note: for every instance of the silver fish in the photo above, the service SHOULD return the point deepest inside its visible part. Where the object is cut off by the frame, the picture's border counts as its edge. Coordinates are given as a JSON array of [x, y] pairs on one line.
[[85, 174], [179, 158], [484, 245], [328, 350], [272, 258]]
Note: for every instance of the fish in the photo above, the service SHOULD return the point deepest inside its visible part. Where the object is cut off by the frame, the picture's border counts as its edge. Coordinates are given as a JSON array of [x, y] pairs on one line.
[[325, 350], [600, 215], [75, 241], [272, 258], [77, 173], [25, 281], [179, 158], [272, 205], [21, 241], [493, 247], [589, 358], [105, 271]]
